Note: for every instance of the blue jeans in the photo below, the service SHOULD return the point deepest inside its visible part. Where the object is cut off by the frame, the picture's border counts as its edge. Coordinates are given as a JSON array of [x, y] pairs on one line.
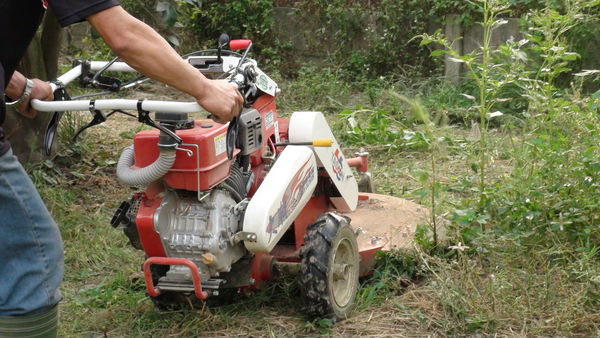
[[31, 249]]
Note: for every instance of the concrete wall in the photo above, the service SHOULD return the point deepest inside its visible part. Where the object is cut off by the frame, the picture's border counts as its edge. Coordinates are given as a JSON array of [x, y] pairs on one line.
[[469, 40]]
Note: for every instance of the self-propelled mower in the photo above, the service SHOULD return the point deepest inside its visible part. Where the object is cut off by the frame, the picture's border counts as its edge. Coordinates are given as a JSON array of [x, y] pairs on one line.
[[225, 207]]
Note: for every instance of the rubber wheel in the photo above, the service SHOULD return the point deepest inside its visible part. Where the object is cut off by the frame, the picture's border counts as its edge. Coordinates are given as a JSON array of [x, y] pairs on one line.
[[329, 268]]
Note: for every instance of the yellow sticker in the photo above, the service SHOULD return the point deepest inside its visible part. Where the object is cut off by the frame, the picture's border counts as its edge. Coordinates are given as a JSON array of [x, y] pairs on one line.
[[220, 144]]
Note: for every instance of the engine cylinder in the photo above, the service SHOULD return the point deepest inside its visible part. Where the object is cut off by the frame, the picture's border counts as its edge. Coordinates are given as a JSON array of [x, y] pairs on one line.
[[200, 231]]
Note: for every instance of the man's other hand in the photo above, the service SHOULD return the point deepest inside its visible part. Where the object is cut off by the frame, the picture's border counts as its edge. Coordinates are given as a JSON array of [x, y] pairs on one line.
[[42, 91], [221, 99]]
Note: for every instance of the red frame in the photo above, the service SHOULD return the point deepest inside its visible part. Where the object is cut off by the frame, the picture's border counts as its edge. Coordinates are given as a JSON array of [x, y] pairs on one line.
[[154, 292], [215, 169]]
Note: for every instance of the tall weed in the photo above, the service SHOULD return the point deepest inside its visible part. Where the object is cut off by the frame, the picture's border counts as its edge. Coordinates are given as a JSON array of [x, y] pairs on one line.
[[554, 178]]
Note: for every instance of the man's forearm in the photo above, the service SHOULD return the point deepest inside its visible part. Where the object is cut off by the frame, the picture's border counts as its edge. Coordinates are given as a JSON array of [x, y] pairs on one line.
[[146, 51]]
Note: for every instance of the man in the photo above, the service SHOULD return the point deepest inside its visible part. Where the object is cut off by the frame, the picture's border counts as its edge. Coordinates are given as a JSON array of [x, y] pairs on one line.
[[31, 252]]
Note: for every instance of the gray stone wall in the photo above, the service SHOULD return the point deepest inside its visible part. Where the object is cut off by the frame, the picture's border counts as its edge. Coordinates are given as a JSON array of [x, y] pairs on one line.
[[469, 40]]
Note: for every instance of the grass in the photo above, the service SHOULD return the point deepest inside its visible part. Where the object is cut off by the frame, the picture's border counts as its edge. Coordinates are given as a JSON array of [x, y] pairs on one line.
[[521, 278], [512, 288]]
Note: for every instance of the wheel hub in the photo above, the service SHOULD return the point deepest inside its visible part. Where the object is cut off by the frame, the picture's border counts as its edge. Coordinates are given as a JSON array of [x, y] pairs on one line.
[[340, 271], [343, 272]]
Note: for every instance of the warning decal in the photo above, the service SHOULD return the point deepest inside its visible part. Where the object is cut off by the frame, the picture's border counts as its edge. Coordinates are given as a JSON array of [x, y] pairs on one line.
[[220, 144]]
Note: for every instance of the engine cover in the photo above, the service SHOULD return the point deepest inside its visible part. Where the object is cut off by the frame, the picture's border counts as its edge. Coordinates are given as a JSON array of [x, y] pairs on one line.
[[199, 231]]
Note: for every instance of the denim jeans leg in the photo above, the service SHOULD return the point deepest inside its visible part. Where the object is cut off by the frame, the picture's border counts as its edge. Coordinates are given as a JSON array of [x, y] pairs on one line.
[[31, 249]]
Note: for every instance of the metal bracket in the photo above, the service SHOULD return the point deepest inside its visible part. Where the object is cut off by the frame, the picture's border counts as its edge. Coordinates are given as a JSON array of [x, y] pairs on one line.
[[240, 208], [244, 236], [144, 117], [188, 152]]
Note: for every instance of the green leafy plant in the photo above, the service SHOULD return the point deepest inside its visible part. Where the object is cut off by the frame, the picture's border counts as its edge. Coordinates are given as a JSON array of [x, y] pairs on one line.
[[489, 78], [435, 148], [378, 129]]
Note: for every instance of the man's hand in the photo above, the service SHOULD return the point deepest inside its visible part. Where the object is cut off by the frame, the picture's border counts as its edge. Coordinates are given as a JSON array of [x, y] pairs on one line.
[[42, 91], [221, 99]]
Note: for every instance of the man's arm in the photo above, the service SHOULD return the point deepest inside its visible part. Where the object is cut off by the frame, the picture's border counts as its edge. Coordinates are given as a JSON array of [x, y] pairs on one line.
[[146, 51]]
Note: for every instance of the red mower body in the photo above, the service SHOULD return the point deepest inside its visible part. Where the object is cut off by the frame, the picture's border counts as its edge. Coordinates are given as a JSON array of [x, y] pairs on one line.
[[208, 138]]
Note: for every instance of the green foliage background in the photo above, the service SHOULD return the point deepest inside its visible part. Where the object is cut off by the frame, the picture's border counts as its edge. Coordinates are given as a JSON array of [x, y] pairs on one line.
[[386, 28]]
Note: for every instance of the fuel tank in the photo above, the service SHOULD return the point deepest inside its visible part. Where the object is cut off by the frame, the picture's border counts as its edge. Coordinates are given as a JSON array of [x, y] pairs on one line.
[[202, 168]]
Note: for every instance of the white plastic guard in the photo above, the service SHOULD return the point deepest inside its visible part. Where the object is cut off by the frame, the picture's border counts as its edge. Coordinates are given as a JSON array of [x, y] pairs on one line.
[[309, 126], [280, 198]]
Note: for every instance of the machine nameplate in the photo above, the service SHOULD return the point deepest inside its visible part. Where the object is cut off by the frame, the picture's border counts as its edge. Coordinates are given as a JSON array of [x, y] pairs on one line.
[[220, 144]]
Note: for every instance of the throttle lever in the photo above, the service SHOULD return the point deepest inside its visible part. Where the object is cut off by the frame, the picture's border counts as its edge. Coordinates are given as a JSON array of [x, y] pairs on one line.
[[99, 118]]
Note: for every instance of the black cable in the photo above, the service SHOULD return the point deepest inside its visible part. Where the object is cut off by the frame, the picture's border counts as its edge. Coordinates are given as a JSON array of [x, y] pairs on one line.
[[236, 196], [91, 95], [121, 112]]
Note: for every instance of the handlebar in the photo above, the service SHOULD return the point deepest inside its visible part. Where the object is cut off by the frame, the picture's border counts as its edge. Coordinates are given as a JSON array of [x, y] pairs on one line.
[[249, 80], [115, 104], [74, 73], [112, 104]]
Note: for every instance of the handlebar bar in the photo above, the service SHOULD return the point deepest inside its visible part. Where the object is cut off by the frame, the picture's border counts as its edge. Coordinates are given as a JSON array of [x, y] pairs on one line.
[[111, 104], [74, 73], [114, 104], [248, 79]]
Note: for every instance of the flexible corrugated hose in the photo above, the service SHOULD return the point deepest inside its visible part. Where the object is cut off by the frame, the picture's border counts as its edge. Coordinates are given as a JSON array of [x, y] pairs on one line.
[[146, 175]]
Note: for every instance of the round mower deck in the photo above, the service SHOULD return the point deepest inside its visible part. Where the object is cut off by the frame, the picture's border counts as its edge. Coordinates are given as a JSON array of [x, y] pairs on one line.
[[384, 223]]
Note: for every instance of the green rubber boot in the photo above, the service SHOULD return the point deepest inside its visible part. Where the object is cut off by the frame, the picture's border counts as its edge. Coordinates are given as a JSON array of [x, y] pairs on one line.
[[41, 325]]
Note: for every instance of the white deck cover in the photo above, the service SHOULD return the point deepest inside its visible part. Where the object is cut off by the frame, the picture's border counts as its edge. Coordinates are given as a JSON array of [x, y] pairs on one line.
[[309, 126], [280, 198]]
